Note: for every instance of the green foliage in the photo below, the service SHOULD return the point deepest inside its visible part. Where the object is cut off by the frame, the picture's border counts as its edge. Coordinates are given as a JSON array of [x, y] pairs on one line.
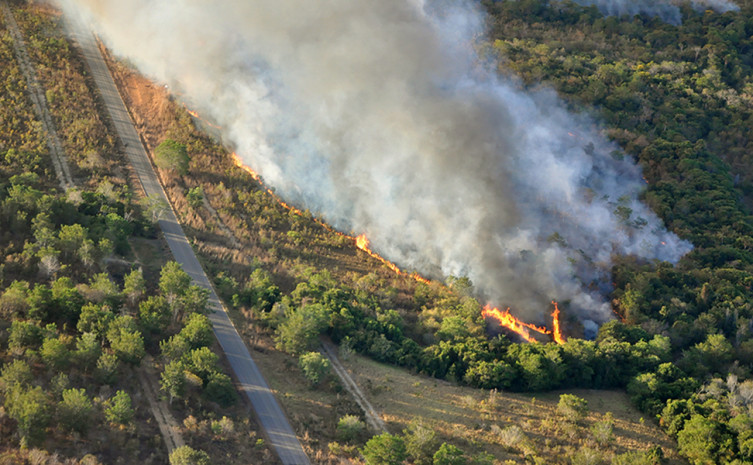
[[447, 454], [197, 331], [219, 388], [350, 428], [107, 368], [31, 410], [15, 374], [572, 408], [315, 367], [195, 197], [301, 330], [55, 354], [185, 455], [384, 449], [420, 442], [173, 379], [75, 410], [171, 155], [118, 409]]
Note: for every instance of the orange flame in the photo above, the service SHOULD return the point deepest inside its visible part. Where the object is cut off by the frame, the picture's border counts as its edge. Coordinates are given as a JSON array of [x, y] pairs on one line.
[[198, 116], [508, 321], [522, 328], [363, 243], [239, 163], [556, 330]]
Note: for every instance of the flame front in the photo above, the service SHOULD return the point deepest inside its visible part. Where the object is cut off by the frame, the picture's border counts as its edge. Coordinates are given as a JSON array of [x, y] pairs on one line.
[[362, 242], [508, 321], [523, 329], [556, 330]]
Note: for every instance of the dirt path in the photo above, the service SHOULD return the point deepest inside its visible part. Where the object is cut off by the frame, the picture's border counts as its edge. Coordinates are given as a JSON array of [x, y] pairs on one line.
[[37, 95], [167, 425], [373, 419]]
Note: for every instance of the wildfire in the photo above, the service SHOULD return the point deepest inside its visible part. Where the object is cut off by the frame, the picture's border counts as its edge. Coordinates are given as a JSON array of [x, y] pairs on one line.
[[363, 243], [522, 328], [239, 163], [556, 331]]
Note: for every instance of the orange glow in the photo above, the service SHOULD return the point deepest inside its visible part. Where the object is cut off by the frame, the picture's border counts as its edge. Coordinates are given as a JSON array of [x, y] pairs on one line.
[[523, 329], [363, 243], [198, 116], [556, 330], [508, 321], [239, 163]]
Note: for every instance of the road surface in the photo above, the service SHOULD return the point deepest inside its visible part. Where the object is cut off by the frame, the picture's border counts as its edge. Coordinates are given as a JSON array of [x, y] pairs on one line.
[[251, 382]]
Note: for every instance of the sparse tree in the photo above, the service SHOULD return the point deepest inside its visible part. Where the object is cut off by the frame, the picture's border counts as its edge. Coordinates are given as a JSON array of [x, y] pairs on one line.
[[75, 410], [185, 455], [572, 408], [315, 367], [350, 428], [384, 449], [171, 155], [118, 409], [447, 454]]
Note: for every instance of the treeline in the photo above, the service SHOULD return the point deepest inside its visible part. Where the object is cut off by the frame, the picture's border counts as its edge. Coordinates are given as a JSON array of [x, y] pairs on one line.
[[679, 100]]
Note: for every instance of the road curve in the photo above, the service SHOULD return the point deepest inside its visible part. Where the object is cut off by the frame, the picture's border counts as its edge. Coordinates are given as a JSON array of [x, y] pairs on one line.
[[251, 382]]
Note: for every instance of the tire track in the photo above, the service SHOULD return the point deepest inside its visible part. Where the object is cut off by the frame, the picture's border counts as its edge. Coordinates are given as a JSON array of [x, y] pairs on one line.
[[167, 425], [372, 416], [38, 98]]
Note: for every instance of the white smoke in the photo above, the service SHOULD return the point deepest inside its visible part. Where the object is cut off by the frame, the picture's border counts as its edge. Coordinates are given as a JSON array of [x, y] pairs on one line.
[[667, 10], [377, 116]]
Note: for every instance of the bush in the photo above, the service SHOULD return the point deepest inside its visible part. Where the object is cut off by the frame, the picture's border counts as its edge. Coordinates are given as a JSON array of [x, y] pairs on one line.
[[572, 408], [186, 455], [350, 428], [171, 155], [384, 449], [315, 367]]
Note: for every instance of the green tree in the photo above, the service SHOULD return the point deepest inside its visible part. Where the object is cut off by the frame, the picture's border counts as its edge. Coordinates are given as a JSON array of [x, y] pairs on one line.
[[125, 340], [195, 197], [55, 354], [420, 442], [384, 449], [315, 367], [88, 350], [134, 286], [197, 331], [95, 319], [107, 368], [171, 155], [173, 282], [447, 454], [118, 409], [350, 428], [16, 373], [31, 410], [185, 455], [75, 410], [300, 331], [219, 388], [173, 379], [703, 440], [202, 362], [572, 408], [154, 314]]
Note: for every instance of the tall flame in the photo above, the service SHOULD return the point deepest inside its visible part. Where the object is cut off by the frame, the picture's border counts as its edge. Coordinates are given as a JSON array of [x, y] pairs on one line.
[[508, 321], [522, 328], [556, 330]]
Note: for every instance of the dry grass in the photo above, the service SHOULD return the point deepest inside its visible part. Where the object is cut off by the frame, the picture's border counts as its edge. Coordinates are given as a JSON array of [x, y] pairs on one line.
[[475, 420]]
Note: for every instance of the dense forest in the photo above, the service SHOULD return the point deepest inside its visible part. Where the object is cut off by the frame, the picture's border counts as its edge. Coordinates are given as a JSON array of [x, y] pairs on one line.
[[79, 314]]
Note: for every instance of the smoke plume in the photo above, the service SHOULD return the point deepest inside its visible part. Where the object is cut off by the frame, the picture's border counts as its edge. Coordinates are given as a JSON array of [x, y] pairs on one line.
[[379, 117], [667, 10]]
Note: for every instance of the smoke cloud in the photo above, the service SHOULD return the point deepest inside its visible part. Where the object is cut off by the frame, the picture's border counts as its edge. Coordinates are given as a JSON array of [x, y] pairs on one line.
[[377, 116], [667, 10]]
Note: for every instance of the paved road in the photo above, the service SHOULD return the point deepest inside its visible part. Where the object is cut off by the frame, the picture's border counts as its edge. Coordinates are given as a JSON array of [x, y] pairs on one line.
[[252, 383]]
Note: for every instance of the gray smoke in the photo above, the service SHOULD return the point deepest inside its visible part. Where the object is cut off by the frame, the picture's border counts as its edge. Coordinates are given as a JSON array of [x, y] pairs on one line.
[[377, 116], [667, 10]]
